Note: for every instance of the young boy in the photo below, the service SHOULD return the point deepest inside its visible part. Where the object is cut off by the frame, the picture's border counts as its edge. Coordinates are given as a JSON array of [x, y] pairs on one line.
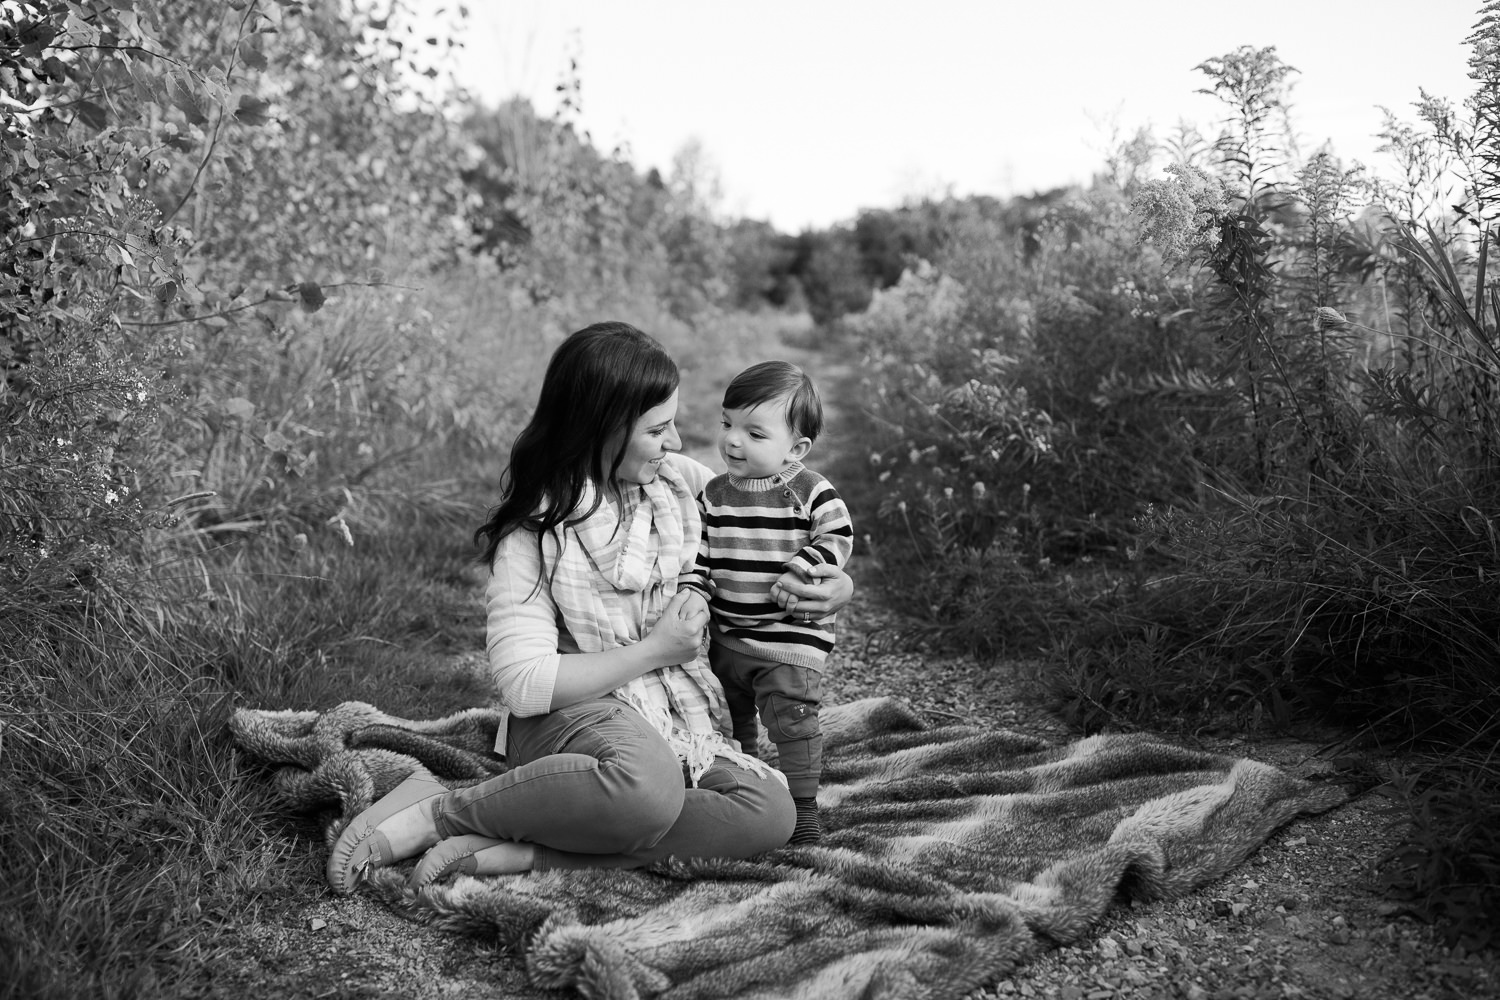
[[767, 514]]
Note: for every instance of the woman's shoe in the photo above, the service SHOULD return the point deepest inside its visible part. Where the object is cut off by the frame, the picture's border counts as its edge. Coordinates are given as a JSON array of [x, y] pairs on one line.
[[362, 845], [471, 854]]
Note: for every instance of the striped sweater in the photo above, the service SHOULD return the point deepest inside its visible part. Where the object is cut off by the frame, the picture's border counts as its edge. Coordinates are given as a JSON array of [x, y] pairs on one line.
[[753, 531]]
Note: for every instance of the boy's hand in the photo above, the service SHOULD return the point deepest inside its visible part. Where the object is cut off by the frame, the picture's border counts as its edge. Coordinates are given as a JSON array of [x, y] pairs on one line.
[[784, 598], [812, 592], [695, 604], [678, 634]]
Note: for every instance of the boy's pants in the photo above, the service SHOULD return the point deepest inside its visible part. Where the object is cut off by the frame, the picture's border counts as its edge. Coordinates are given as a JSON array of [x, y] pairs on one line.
[[787, 698]]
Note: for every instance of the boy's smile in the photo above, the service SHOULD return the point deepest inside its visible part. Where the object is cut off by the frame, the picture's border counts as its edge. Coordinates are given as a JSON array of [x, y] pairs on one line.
[[756, 442]]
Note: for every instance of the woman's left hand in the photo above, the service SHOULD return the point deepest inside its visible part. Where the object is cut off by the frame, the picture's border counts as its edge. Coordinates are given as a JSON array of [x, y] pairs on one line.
[[829, 590]]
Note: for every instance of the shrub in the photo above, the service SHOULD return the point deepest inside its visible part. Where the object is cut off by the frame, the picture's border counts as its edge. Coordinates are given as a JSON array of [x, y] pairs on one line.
[[1350, 577], [1255, 411], [178, 221]]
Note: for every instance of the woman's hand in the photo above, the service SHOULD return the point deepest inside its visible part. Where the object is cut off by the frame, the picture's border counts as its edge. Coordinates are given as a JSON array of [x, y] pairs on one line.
[[829, 590], [678, 634], [675, 638]]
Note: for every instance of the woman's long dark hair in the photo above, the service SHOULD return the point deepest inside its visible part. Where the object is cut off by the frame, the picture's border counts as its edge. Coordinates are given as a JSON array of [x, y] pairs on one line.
[[598, 383]]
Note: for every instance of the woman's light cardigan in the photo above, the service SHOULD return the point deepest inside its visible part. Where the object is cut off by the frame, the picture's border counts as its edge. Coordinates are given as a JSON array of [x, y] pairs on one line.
[[604, 584]]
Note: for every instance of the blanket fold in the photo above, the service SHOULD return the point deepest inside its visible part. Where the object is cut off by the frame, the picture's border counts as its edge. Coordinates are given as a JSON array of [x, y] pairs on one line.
[[950, 855]]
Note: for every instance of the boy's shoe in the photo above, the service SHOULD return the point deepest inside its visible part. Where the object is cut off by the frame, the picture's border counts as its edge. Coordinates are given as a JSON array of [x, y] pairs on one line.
[[809, 828]]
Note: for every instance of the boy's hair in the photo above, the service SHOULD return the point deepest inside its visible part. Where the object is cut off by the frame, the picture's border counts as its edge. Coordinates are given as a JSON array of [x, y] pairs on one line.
[[772, 380]]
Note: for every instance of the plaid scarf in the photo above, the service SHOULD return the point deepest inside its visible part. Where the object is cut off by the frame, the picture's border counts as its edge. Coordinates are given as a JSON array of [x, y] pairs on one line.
[[603, 562]]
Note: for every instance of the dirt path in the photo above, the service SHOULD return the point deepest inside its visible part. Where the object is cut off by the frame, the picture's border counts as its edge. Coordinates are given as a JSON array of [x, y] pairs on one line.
[[1301, 919]]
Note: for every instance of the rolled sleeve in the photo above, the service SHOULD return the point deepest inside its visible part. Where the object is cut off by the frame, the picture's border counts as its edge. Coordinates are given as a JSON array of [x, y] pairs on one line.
[[521, 627]]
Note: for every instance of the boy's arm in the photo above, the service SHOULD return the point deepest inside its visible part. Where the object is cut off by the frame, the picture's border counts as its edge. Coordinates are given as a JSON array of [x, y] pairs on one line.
[[832, 539], [695, 576]]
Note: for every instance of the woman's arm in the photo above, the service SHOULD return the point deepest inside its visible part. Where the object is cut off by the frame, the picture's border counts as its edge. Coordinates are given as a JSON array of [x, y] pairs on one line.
[[677, 637], [520, 627], [522, 639]]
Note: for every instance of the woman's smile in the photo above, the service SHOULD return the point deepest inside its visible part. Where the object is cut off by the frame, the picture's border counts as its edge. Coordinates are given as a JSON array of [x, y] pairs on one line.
[[651, 438]]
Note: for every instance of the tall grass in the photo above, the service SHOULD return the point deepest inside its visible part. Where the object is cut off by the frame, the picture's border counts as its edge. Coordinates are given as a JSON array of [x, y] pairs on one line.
[[134, 838]]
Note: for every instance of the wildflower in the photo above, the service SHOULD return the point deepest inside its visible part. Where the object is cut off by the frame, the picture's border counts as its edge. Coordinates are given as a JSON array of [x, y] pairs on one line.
[[110, 496], [875, 458], [342, 527], [914, 456], [947, 493], [979, 491], [1328, 318], [901, 506], [1180, 215]]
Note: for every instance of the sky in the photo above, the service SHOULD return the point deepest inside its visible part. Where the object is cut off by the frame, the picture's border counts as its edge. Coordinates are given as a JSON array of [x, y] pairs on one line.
[[811, 110]]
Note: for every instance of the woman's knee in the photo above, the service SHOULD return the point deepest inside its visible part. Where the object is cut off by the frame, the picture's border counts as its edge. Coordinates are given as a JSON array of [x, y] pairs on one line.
[[780, 816], [645, 796], [768, 812]]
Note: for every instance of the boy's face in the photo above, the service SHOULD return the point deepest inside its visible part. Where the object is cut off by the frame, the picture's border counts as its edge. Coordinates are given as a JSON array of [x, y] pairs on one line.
[[756, 441]]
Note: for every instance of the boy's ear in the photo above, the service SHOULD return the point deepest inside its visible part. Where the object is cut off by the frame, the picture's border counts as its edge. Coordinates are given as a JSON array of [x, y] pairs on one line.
[[800, 449]]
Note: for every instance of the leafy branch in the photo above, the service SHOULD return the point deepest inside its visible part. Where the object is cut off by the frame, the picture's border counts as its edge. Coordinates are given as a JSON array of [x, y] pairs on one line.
[[213, 144], [309, 294]]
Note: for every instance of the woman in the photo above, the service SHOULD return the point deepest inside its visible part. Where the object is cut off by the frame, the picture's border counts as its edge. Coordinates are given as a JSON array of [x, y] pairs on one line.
[[617, 729]]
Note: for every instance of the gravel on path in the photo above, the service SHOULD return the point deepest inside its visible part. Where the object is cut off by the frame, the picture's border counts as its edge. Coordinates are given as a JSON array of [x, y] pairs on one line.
[[1303, 918]]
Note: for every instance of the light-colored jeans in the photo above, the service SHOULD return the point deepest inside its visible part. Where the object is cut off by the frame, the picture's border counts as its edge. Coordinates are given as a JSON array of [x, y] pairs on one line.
[[594, 786]]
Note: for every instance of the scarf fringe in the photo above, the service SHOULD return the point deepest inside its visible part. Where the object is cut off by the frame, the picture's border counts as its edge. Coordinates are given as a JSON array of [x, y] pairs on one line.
[[697, 750]]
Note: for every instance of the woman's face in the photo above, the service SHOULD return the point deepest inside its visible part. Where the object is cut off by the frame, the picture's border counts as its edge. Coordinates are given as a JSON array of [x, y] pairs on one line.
[[653, 434]]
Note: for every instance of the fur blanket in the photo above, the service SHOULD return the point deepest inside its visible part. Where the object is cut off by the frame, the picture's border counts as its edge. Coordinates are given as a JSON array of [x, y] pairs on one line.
[[950, 855]]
